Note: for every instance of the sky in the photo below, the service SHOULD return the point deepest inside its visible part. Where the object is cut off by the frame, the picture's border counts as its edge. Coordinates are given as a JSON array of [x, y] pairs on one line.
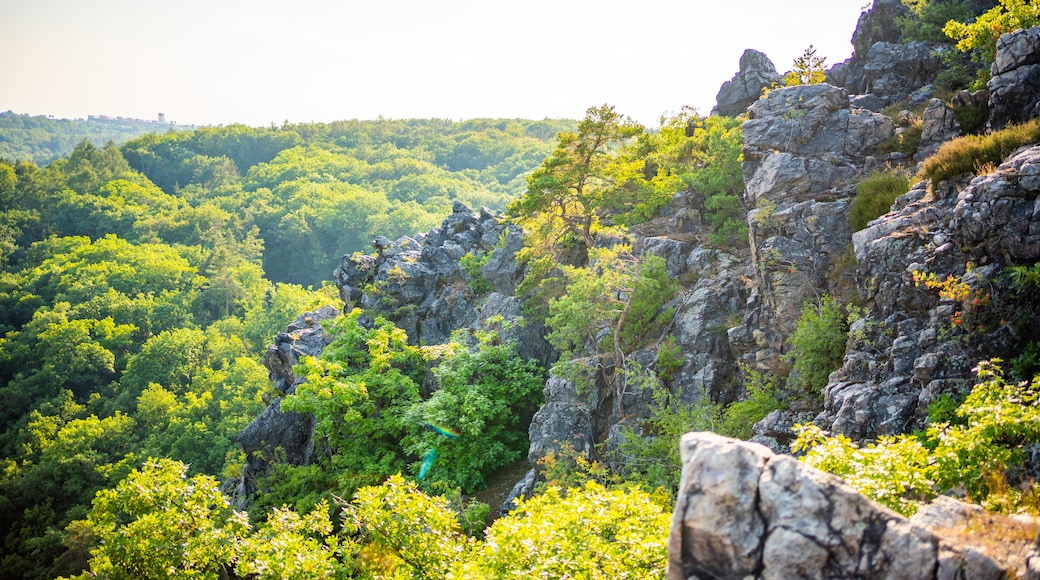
[[258, 62]]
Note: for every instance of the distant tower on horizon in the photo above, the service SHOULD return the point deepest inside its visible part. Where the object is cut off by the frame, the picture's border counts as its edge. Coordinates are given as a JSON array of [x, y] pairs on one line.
[[162, 117]]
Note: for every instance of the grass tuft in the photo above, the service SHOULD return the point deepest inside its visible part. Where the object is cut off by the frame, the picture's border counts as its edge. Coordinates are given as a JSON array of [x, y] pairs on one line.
[[965, 154], [874, 197]]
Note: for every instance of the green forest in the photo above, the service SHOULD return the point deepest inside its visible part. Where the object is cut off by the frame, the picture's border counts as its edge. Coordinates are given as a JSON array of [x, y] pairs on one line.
[[142, 284], [42, 139]]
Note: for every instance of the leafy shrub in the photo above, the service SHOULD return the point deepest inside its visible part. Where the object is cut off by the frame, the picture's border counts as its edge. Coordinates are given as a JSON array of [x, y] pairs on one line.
[[763, 397], [567, 468], [907, 141], [487, 398], [473, 264], [979, 37], [972, 118], [358, 391], [589, 532], [406, 533], [982, 457], [926, 18], [964, 154], [650, 455], [817, 345], [158, 523], [874, 197], [669, 359], [617, 292], [728, 218]]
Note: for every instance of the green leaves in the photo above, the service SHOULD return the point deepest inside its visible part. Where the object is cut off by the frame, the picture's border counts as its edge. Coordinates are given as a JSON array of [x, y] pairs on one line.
[[589, 532], [488, 395], [582, 179], [159, 523], [982, 458], [817, 345], [359, 391], [618, 293]]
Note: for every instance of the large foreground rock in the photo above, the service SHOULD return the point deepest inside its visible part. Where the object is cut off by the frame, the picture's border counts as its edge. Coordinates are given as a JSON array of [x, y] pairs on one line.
[[745, 512]]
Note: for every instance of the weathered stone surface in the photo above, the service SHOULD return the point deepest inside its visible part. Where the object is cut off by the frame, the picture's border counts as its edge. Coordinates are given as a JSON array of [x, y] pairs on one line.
[[286, 436], [717, 528], [418, 284], [868, 101], [907, 350], [992, 544], [938, 125], [804, 147], [744, 512], [878, 25], [558, 423], [890, 70], [1015, 83], [303, 337], [736, 95], [776, 430], [800, 142]]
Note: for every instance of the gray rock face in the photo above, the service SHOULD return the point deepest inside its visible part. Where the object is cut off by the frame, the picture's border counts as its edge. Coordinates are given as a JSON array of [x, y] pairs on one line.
[[744, 512], [911, 347], [938, 125], [889, 70], [1015, 83], [803, 148], [303, 337], [737, 94], [421, 287], [282, 436], [1008, 549], [878, 25], [812, 121]]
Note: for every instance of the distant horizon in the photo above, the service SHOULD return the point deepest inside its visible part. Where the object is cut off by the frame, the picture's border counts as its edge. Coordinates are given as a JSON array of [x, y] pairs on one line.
[[261, 63]]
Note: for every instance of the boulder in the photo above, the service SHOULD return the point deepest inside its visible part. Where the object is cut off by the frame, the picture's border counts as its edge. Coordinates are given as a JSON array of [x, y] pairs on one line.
[[938, 125], [1008, 546], [744, 512], [737, 94], [1015, 82]]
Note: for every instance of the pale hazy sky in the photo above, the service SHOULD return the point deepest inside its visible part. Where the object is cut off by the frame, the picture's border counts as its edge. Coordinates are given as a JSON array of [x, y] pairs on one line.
[[209, 62]]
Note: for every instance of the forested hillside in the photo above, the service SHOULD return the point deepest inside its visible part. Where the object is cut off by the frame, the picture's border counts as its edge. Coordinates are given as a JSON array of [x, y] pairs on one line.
[[141, 285], [42, 139]]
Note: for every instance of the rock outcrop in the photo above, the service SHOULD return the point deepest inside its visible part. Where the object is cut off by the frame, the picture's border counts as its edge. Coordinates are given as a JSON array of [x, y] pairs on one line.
[[421, 287], [912, 346], [878, 25], [1015, 83], [804, 147], [756, 72], [745, 512], [275, 434]]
